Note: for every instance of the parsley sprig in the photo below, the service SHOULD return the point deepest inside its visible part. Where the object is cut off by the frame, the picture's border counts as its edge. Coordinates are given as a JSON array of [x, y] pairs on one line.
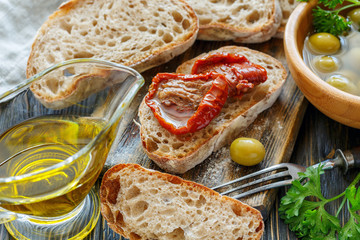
[[309, 219], [328, 20]]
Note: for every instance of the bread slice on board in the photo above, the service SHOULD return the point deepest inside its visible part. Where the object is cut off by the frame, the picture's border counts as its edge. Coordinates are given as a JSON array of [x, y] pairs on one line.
[[287, 6], [145, 204], [180, 153], [241, 21], [137, 33]]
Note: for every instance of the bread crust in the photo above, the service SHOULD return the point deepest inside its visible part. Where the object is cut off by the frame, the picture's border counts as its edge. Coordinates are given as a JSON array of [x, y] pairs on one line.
[[155, 59], [111, 178], [287, 7], [221, 132], [88, 83], [219, 31], [144, 61]]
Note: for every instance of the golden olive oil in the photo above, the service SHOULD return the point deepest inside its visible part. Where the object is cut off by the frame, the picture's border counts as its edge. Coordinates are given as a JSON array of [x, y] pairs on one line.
[[37, 144]]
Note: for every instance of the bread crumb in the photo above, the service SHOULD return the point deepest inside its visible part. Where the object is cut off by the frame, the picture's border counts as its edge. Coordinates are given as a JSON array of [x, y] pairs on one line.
[[200, 214]]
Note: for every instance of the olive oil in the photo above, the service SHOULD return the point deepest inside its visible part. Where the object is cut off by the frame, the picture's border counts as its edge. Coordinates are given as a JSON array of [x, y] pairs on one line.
[[41, 143]]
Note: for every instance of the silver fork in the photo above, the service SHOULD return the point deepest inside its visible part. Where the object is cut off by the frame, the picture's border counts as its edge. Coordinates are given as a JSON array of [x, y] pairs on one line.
[[290, 170], [347, 159]]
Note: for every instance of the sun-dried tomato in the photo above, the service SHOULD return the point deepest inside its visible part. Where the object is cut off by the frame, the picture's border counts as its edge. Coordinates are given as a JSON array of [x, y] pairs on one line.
[[187, 103], [240, 73], [209, 107]]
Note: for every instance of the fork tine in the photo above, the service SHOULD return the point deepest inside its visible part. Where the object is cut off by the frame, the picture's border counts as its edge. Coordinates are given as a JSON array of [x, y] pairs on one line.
[[271, 177], [263, 188], [269, 169]]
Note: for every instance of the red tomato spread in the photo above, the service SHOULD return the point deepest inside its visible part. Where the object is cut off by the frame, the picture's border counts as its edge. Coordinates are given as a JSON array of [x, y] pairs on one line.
[[187, 103], [186, 110], [241, 74]]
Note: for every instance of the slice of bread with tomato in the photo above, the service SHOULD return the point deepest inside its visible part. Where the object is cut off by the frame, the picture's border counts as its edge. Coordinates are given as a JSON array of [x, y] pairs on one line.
[[179, 153]]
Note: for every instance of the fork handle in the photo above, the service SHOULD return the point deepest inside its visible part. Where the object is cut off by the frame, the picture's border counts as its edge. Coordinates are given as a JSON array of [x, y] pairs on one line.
[[351, 158]]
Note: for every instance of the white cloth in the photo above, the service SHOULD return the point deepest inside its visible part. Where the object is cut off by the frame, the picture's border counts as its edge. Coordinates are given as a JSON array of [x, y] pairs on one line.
[[19, 22]]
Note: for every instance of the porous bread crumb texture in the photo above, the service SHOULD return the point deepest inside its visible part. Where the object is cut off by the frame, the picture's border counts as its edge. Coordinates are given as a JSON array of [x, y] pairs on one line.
[[52, 85], [120, 31], [287, 6], [149, 207], [162, 143], [234, 13]]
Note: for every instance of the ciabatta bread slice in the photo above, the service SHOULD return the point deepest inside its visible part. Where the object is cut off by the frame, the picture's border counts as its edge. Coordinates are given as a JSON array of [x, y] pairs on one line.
[[241, 21], [137, 33], [143, 204], [287, 7], [179, 153]]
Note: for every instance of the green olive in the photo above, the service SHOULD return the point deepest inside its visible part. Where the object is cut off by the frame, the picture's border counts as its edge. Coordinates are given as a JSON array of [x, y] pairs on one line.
[[326, 63], [247, 151], [324, 43], [355, 15], [342, 83]]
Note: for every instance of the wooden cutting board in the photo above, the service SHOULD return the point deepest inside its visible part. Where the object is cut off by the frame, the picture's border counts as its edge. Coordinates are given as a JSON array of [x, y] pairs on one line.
[[276, 128]]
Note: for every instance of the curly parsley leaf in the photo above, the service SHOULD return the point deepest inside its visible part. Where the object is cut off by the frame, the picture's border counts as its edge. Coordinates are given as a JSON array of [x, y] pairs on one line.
[[321, 223], [330, 22], [353, 195], [351, 229], [297, 223], [292, 202], [331, 3], [309, 219]]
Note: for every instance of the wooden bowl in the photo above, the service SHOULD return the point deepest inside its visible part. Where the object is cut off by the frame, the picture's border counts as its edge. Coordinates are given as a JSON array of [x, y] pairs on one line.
[[334, 103]]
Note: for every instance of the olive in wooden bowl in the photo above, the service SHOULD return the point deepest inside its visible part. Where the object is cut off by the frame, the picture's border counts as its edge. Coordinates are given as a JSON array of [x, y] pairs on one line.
[[324, 77]]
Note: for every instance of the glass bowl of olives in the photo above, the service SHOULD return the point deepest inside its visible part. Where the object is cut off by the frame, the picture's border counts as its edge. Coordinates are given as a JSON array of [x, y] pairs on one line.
[[325, 67]]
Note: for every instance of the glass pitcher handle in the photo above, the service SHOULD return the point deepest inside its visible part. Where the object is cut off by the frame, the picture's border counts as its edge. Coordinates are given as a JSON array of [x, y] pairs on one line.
[[7, 217]]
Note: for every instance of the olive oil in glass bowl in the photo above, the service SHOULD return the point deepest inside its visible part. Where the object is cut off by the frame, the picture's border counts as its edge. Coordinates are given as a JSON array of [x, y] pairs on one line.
[[50, 159]]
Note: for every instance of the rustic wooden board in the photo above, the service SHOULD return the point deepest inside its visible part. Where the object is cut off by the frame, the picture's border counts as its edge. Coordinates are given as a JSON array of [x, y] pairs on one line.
[[276, 128]]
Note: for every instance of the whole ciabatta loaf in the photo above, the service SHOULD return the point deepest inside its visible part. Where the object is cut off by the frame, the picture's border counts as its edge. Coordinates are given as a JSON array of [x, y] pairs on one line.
[[137, 33], [242, 21], [287, 6], [179, 153], [143, 204]]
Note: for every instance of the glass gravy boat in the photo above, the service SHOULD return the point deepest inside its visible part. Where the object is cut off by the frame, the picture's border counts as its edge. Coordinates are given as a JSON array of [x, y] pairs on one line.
[[50, 159]]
